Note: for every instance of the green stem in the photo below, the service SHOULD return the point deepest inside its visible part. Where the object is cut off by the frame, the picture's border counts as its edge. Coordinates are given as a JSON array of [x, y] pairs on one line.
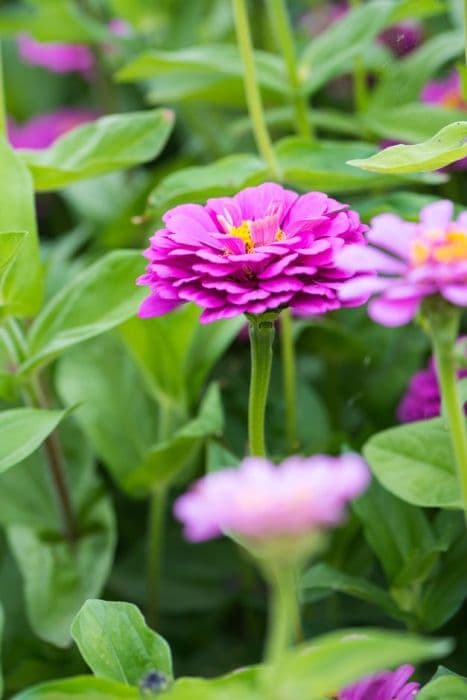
[[289, 378], [156, 527], [3, 122], [465, 31], [252, 93], [261, 339], [360, 83], [280, 22], [443, 321]]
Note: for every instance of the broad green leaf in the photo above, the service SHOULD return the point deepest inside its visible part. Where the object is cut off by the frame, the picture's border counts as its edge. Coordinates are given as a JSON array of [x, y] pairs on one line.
[[218, 457], [444, 688], [415, 462], [408, 9], [406, 77], [322, 165], [58, 578], [21, 286], [196, 184], [333, 51], [79, 687], [113, 142], [334, 661], [411, 122], [201, 60], [116, 643], [99, 298], [51, 20], [10, 243], [444, 148], [327, 578], [22, 431], [164, 461], [103, 380]]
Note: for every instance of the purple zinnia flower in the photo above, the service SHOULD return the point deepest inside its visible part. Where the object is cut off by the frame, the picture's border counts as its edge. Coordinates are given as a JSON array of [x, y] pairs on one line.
[[412, 261], [389, 685], [43, 130], [446, 92], [260, 500], [265, 248], [56, 56]]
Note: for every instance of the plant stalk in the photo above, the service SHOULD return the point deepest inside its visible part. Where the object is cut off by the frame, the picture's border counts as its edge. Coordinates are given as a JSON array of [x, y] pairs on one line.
[[156, 529], [3, 119], [280, 22], [360, 85], [261, 339], [252, 93], [289, 379]]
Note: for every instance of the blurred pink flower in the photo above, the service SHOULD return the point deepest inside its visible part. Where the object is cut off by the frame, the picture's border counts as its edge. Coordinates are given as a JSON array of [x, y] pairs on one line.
[[260, 500], [389, 685], [411, 261], [446, 92], [41, 131], [56, 56], [265, 248]]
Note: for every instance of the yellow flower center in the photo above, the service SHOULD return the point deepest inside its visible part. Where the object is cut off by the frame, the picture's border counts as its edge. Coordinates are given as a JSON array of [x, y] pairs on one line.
[[454, 100], [244, 231], [437, 246]]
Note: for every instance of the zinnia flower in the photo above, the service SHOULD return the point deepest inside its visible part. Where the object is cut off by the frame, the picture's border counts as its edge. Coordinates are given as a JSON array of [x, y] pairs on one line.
[[389, 685], [446, 92], [423, 399], [260, 501], [56, 56], [412, 261], [263, 249], [43, 130]]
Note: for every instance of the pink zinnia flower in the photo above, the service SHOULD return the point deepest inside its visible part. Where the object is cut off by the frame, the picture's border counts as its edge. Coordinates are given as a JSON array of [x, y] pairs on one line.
[[56, 56], [446, 92], [43, 130], [412, 261], [260, 500], [389, 685], [263, 249]]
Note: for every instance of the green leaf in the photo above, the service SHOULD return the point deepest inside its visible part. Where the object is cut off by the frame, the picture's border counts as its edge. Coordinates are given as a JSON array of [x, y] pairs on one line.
[[320, 668], [415, 462], [165, 460], [444, 148], [333, 51], [116, 643], [99, 298], [21, 286], [113, 142], [218, 457], [322, 576], [104, 388], [444, 688], [79, 687], [10, 243], [52, 20], [23, 430], [411, 122], [2, 620], [408, 9], [322, 165], [196, 184], [405, 78]]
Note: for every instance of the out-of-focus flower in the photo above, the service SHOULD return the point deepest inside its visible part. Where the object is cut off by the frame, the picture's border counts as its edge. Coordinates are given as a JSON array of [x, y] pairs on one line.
[[41, 131], [389, 685], [262, 501], [120, 27], [412, 261], [56, 56], [422, 399], [446, 92], [263, 249]]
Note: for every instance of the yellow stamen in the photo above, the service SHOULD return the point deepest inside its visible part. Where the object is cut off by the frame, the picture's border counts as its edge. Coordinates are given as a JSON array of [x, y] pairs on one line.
[[243, 232], [454, 250], [420, 253]]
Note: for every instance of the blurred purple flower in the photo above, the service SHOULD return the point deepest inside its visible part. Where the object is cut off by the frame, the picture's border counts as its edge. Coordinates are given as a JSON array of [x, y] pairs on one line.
[[447, 93], [260, 500], [43, 130], [389, 685], [56, 56], [265, 248], [411, 261]]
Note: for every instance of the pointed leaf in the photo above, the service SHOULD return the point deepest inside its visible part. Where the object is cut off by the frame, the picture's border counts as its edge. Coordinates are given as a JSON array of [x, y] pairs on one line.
[[22, 430]]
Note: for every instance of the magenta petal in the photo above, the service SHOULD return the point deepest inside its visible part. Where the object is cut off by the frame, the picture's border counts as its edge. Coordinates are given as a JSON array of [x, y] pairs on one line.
[[437, 215], [362, 286], [360, 258], [393, 313], [455, 293], [154, 306]]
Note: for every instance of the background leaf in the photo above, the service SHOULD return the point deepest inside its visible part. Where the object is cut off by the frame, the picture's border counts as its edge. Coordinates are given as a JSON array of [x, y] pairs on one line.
[[22, 430]]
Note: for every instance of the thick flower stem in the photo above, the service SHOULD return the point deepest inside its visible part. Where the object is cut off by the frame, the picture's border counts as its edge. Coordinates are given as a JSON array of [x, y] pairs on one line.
[[156, 528], [261, 339], [289, 379], [443, 322], [280, 23], [252, 93]]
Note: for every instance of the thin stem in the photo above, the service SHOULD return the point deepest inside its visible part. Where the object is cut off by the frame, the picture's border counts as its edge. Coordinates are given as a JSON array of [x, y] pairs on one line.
[[155, 536], [261, 339], [360, 84], [3, 121], [280, 22], [289, 378], [252, 93]]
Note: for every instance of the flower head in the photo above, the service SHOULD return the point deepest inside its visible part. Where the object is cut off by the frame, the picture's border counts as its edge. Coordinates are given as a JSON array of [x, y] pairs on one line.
[[56, 56], [389, 685], [263, 249], [43, 130], [445, 93], [412, 261], [260, 501]]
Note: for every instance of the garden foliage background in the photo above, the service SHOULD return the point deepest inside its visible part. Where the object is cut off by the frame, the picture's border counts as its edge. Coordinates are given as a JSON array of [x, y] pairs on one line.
[[134, 409]]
